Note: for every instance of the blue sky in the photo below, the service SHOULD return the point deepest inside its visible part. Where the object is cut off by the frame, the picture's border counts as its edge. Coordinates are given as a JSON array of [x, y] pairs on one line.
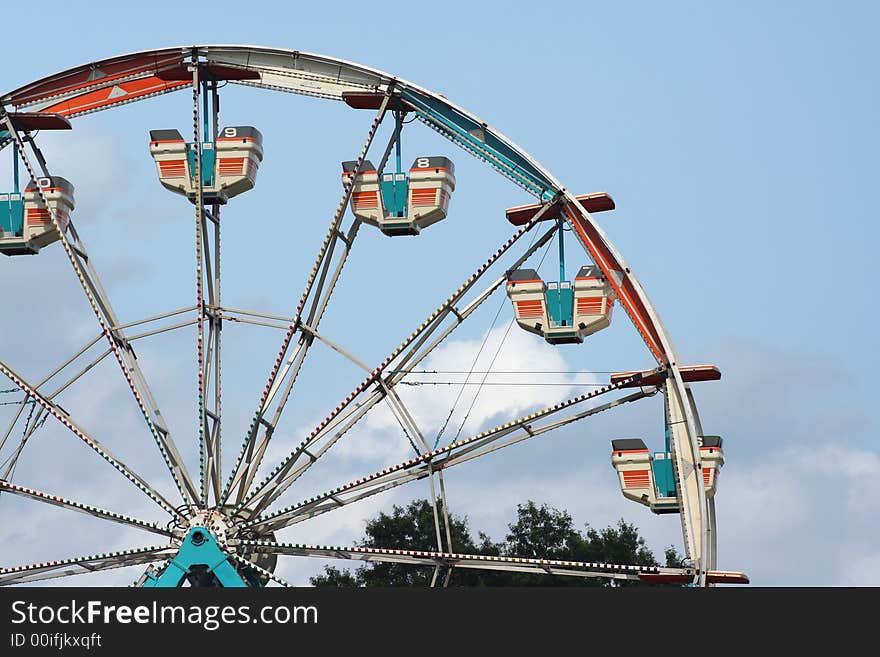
[[739, 142]]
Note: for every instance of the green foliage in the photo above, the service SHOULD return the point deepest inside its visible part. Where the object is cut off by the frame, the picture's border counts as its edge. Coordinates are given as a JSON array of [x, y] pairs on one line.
[[674, 559], [334, 577], [539, 532], [412, 528]]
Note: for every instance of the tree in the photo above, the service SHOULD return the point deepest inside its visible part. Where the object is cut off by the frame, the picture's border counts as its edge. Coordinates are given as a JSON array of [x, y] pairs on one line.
[[674, 559], [545, 532], [334, 577], [538, 532], [410, 528]]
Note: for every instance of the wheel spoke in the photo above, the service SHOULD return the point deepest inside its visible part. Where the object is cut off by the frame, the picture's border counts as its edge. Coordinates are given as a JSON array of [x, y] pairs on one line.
[[204, 456], [215, 470], [337, 348], [88, 509], [225, 315], [78, 565], [471, 561], [250, 564], [209, 358]]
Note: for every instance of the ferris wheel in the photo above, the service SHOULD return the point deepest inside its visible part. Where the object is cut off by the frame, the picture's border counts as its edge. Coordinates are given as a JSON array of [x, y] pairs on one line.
[[219, 526]]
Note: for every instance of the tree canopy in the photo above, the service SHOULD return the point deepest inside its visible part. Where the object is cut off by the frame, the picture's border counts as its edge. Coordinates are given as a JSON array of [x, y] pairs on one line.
[[538, 532]]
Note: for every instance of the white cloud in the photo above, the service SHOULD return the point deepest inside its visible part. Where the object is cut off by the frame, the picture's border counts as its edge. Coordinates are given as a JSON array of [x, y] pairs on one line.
[[505, 351], [802, 515], [856, 471]]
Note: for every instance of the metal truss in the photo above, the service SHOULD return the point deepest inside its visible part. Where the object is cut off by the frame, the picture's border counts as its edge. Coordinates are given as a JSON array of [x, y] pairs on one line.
[[469, 561], [88, 509]]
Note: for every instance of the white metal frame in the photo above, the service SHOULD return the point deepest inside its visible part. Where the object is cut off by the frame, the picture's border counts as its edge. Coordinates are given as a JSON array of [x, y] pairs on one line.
[[245, 500]]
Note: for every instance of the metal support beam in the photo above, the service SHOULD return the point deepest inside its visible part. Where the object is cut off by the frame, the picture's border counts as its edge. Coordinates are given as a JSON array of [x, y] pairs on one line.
[[471, 561], [88, 509], [78, 565], [198, 183]]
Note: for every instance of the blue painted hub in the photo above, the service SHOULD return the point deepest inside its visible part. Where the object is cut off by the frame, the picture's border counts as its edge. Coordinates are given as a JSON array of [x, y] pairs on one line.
[[202, 563]]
